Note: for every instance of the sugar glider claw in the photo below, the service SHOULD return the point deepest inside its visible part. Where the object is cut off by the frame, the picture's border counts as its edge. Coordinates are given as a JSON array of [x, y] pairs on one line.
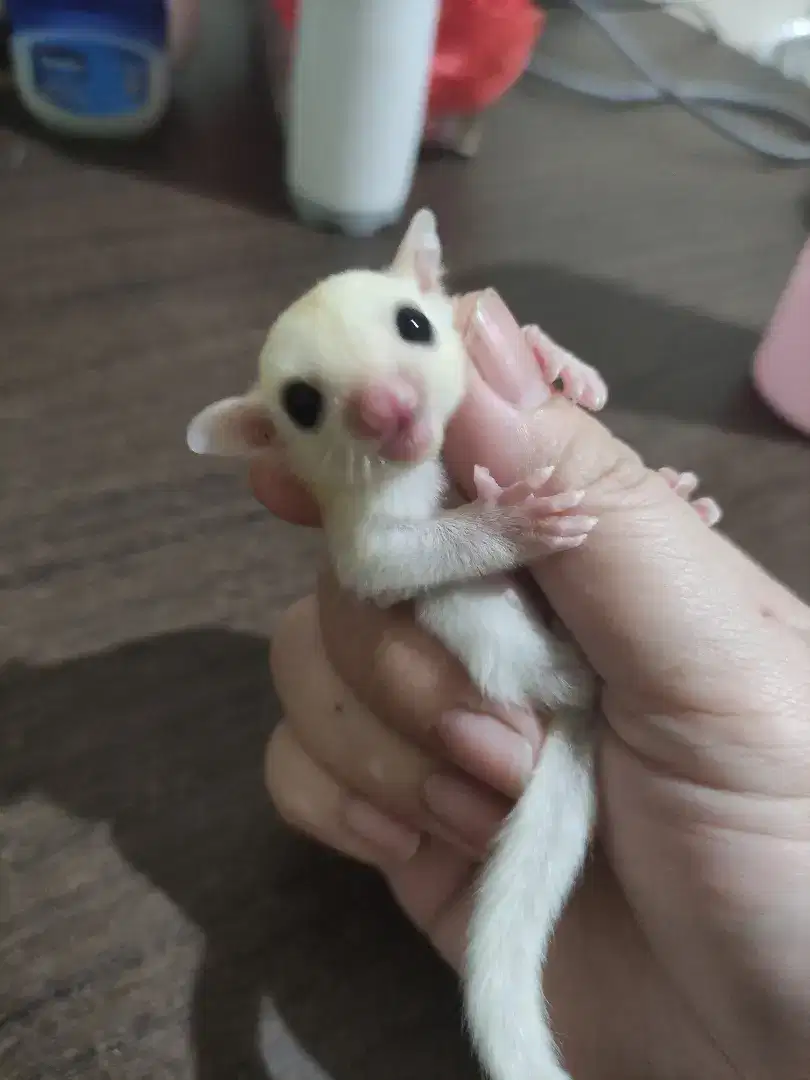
[[581, 383], [685, 484], [539, 524]]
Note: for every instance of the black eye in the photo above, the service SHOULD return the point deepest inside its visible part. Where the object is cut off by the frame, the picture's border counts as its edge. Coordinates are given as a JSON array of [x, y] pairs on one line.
[[303, 403], [414, 326]]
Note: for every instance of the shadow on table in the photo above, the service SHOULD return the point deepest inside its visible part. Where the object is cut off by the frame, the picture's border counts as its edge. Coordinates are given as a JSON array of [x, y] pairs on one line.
[[163, 739]]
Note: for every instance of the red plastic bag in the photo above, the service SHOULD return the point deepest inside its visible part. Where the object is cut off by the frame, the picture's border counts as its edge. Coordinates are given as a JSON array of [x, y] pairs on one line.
[[482, 48]]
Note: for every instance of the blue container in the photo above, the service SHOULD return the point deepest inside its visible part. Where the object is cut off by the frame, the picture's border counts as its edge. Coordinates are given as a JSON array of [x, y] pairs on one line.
[[92, 67]]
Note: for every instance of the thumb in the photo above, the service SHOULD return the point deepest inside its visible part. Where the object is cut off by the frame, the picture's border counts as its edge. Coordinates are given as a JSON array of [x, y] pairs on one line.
[[662, 605]]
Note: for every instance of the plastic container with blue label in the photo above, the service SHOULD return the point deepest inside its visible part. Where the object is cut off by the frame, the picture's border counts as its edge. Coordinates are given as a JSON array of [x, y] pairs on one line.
[[92, 67]]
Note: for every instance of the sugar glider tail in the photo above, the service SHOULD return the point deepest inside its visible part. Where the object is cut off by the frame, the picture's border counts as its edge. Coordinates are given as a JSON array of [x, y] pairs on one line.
[[536, 863]]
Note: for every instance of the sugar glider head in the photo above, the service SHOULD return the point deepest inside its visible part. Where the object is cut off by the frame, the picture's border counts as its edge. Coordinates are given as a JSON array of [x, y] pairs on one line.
[[359, 376]]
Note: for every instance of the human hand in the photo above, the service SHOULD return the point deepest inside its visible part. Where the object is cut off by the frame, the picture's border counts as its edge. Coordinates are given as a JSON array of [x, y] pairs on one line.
[[687, 950]]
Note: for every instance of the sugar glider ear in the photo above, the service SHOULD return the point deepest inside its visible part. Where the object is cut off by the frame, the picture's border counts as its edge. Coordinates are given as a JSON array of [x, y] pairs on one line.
[[420, 252], [233, 427]]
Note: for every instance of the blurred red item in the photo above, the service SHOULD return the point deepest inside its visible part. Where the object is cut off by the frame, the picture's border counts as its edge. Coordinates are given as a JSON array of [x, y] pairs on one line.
[[482, 48]]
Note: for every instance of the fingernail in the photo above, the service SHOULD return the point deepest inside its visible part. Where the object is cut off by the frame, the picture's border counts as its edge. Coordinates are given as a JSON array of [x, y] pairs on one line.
[[485, 738], [504, 360], [380, 830], [469, 813]]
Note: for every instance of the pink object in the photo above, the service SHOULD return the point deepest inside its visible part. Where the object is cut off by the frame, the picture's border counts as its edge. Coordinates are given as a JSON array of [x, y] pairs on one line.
[[782, 363], [482, 48]]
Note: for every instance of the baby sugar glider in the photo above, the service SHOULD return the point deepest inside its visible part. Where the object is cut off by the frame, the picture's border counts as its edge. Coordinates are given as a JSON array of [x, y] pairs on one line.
[[357, 383]]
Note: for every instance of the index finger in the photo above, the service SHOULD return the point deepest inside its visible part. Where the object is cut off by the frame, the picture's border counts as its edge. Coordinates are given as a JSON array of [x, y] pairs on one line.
[[276, 488], [658, 602]]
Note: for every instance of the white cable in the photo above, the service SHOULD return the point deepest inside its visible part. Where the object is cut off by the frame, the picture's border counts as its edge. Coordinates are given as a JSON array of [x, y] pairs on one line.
[[712, 103]]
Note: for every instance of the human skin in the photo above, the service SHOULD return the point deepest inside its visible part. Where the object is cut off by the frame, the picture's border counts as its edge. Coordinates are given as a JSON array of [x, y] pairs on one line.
[[686, 952]]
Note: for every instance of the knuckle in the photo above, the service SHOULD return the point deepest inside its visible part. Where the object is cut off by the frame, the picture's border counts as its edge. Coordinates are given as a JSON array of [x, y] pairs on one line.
[[274, 771], [293, 636], [288, 811], [289, 801]]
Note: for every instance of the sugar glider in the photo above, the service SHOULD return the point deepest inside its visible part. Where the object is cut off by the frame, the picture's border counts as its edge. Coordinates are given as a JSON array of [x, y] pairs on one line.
[[357, 382]]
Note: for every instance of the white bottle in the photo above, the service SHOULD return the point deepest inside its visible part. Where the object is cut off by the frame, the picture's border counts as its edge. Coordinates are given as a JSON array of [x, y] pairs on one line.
[[358, 89]]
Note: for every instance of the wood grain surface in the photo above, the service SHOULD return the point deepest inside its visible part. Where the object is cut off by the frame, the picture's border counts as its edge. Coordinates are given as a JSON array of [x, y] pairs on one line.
[[157, 921]]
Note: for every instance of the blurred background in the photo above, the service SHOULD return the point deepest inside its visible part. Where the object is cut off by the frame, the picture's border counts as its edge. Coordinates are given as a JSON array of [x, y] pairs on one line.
[[632, 178]]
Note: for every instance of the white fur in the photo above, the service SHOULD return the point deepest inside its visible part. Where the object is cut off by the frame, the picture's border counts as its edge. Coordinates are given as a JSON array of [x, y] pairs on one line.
[[390, 540], [537, 860]]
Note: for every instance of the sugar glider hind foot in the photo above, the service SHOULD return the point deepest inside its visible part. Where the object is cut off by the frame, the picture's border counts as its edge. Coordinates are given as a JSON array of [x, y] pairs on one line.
[[684, 484]]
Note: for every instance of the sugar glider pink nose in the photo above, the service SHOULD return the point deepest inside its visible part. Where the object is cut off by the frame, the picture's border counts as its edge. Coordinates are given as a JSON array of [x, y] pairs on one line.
[[382, 410]]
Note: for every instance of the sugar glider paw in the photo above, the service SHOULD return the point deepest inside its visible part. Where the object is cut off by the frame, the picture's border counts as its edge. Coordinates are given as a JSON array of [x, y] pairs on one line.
[[581, 383], [685, 484], [539, 524], [708, 510]]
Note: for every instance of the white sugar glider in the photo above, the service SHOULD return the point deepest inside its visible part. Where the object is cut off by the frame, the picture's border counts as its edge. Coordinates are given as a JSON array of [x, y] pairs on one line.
[[357, 382]]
